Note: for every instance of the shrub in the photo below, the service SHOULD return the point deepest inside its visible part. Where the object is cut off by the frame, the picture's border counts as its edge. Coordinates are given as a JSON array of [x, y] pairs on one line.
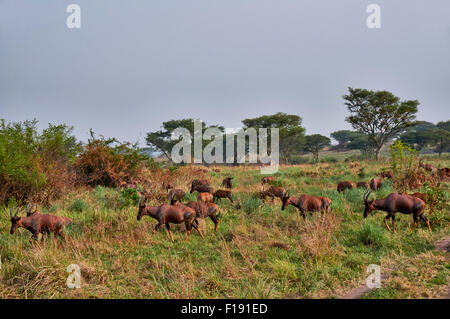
[[108, 162], [371, 235], [250, 204], [78, 205], [35, 165]]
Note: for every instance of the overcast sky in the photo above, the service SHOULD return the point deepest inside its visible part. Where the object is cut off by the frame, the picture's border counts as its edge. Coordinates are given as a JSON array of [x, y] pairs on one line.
[[134, 64]]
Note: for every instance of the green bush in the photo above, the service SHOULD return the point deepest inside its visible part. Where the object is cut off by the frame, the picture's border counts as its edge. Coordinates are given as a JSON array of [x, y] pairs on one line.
[[371, 235], [78, 205]]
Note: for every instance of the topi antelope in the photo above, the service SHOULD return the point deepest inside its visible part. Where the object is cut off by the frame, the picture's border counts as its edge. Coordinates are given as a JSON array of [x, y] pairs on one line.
[[204, 210], [175, 194], [165, 214], [342, 186], [273, 192], [38, 223], [376, 183], [306, 203], [223, 194], [396, 203], [227, 182]]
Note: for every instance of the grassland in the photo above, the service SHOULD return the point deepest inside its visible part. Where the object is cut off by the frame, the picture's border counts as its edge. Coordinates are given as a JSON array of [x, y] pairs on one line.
[[258, 251]]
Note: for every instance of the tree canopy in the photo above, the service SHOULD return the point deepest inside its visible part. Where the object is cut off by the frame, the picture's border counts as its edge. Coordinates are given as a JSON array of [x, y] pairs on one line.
[[315, 143], [291, 132], [379, 114]]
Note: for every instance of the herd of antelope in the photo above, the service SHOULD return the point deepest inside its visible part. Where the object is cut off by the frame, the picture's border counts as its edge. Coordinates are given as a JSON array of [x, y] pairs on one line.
[[177, 212]]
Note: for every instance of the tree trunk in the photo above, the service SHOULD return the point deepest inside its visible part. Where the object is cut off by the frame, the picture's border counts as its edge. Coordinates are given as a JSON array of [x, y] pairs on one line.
[[377, 152]]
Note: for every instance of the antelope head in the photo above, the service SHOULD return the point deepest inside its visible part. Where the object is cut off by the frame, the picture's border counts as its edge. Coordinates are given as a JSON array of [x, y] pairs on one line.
[[368, 204], [15, 221]]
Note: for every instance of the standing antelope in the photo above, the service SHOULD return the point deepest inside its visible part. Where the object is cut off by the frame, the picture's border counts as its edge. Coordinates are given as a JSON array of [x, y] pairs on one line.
[[204, 210], [166, 214], [198, 183], [227, 182], [38, 223], [175, 194], [205, 197], [427, 167], [223, 194], [376, 183], [306, 203], [266, 179], [396, 203], [273, 192], [342, 186]]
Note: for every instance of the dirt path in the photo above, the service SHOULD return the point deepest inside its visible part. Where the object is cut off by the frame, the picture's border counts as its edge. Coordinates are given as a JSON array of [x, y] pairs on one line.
[[442, 244]]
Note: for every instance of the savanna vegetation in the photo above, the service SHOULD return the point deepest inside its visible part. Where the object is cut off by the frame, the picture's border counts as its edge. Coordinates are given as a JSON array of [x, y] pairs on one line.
[[259, 250]]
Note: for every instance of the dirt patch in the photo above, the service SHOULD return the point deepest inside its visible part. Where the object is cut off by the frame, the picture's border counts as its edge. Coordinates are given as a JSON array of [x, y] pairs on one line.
[[443, 245]]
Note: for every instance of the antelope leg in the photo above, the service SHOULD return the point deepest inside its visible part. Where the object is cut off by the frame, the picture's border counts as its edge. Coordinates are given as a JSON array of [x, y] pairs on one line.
[[385, 222]]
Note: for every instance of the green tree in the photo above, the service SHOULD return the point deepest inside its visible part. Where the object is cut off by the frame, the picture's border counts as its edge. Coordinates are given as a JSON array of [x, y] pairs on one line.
[[291, 132], [161, 141], [379, 114], [315, 143], [344, 137], [444, 125], [440, 139]]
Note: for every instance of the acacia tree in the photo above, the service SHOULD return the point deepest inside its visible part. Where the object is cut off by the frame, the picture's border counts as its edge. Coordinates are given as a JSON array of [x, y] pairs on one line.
[[161, 141], [291, 132], [315, 143], [379, 114]]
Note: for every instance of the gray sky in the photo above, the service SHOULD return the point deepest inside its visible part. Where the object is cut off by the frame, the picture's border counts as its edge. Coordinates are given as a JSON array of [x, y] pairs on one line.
[[134, 64]]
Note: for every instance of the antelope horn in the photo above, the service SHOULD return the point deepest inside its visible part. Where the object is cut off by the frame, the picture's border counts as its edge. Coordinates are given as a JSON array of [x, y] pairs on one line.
[[17, 211], [140, 200], [28, 209], [11, 212]]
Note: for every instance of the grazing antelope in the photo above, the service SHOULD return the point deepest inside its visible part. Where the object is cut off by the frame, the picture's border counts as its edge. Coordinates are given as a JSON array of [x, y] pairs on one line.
[[427, 167], [204, 210], [266, 179], [205, 197], [199, 184], [174, 195], [202, 189], [38, 223], [166, 214], [227, 182], [376, 183], [273, 192], [342, 186], [362, 185], [306, 203], [222, 194], [396, 203]]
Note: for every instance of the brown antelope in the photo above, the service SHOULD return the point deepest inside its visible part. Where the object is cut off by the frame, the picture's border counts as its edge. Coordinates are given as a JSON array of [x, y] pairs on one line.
[[204, 210], [266, 179], [199, 184], [396, 203], [223, 194], [38, 223], [376, 183], [386, 174], [205, 197], [306, 203], [427, 167], [166, 214], [444, 172], [342, 186], [227, 182], [273, 192], [362, 185], [174, 195]]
